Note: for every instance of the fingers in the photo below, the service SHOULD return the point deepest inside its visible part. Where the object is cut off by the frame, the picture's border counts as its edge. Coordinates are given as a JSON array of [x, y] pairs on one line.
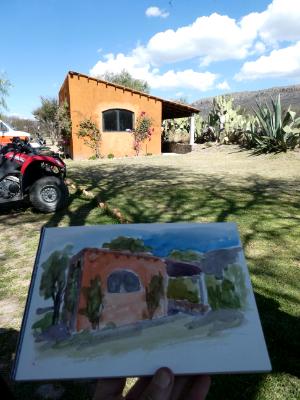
[[109, 389], [199, 388], [179, 387], [160, 387], [138, 388]]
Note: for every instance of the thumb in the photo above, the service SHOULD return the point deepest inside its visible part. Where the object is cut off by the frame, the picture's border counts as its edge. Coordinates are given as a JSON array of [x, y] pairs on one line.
[[160, 387]]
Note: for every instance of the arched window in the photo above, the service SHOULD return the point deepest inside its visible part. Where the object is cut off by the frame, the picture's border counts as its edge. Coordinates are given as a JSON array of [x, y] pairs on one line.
[[117, 120], [122, 282]]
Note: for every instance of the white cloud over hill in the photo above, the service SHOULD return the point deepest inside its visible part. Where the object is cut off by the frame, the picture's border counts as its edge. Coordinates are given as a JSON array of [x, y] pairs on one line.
[[279, 63]]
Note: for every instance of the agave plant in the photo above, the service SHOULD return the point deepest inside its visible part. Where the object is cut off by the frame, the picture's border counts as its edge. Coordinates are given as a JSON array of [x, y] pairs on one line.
[[277, 131]]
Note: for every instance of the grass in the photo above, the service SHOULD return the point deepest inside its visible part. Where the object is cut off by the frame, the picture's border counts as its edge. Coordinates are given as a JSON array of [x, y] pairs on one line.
[[260, 193]]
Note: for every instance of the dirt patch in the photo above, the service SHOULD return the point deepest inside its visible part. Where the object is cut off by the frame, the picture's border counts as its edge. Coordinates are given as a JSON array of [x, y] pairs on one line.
[[9, 310]]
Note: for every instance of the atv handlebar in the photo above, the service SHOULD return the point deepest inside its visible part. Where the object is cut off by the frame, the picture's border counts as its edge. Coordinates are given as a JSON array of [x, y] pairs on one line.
[[17, 145]]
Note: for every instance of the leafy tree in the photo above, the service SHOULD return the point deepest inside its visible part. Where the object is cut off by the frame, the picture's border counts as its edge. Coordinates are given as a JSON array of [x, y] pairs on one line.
[[183, 288], [4, 88], [230, 292], [127, 243], [124, 78], [46, 115], [181, 100], [91, 135], [22, 124], [53, 281], [154, 292], [94, 298], [186, 255], [64, 120], [53, 119]]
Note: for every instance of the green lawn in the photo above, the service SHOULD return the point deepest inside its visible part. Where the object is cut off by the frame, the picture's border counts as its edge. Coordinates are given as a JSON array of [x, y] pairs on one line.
[[260, 193]]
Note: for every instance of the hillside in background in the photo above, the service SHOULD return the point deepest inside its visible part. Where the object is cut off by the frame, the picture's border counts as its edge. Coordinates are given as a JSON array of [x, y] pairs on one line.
[[290, 95]]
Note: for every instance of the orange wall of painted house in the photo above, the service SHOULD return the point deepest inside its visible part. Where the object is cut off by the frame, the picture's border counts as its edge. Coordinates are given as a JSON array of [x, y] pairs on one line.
[[120, 308], [89, 98]]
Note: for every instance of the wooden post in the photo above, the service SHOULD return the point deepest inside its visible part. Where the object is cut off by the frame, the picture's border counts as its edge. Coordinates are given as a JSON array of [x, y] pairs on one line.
[[192, 130]]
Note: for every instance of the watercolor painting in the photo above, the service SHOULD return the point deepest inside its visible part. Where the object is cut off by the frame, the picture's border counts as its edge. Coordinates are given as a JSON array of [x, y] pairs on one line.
[[123, 294]]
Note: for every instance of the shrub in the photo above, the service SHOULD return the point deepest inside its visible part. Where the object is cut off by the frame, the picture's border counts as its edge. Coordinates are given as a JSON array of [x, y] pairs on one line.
[[142, 131], [93, 296], [154, 293], [110, 156], [91, 135], [183, 289]]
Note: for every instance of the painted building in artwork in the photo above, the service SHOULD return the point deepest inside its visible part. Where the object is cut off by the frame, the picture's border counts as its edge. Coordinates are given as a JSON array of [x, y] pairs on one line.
[[123, 279], [115, 109]]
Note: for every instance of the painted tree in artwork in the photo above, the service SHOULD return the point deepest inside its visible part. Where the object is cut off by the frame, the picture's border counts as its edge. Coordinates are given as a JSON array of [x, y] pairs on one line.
[[53, 281], [154, 292], [93, 296], [127, 243]]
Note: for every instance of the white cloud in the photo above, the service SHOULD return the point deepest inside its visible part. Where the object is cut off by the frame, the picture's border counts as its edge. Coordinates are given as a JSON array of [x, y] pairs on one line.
[[171, 79], [214, 38], [280, 21], [282, 63], [188, 78], [259, 47], [156, 12], [223, 85], [218, 37]]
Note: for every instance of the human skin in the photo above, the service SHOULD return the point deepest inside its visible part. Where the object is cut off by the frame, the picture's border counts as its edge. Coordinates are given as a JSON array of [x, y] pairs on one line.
[[163, 386]]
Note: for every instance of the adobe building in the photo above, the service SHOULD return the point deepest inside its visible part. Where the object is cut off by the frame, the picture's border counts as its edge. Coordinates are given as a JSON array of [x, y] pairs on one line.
[[114, 109], [123, 278]]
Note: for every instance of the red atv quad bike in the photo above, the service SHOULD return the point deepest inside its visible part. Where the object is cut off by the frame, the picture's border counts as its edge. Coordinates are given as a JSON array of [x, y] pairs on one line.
[[26, 173]]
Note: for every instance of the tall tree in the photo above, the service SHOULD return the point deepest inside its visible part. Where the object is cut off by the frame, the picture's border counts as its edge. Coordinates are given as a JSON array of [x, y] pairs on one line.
[[53, 281], [46, 115], [53, 119], [94, 298], [4, 88], [124, 78], [154, 292], [22, 124]]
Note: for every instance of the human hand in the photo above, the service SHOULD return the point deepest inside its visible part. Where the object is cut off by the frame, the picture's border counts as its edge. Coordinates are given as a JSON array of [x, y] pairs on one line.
[[163, 386]]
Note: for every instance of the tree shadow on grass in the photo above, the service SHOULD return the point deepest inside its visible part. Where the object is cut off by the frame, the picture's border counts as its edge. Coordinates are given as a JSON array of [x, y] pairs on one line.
[[29, 390], [266, 211], [282, 332]]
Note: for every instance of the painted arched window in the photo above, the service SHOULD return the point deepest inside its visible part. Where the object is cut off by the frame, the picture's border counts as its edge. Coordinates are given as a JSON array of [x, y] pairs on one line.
[[117, 120], [122, 282]]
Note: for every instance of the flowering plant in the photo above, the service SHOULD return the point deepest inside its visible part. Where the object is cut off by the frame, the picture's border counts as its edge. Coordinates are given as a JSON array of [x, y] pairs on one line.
[[143, 130]]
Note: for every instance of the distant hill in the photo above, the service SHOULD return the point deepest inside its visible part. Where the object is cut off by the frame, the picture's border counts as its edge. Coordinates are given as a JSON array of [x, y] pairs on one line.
[[290, 95]]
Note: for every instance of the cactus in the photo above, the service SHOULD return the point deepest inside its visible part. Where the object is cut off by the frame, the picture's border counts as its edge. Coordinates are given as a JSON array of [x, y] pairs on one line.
[[276, 131], [176, 130], [227, 121]]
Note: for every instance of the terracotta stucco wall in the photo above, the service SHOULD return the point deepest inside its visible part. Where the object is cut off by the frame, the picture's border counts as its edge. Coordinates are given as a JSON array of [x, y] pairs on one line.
[[120, 308], [89, 98]]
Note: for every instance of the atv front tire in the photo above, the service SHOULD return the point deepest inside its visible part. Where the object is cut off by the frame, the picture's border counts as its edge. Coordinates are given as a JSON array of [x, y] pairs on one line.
[[49, 194]]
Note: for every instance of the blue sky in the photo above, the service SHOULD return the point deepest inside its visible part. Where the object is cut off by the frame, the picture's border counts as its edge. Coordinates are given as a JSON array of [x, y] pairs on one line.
[[190, 49], [163, 238]]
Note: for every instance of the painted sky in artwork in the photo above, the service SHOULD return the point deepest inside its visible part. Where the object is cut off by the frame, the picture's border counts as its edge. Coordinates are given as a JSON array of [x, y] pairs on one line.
[[162, 238]]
